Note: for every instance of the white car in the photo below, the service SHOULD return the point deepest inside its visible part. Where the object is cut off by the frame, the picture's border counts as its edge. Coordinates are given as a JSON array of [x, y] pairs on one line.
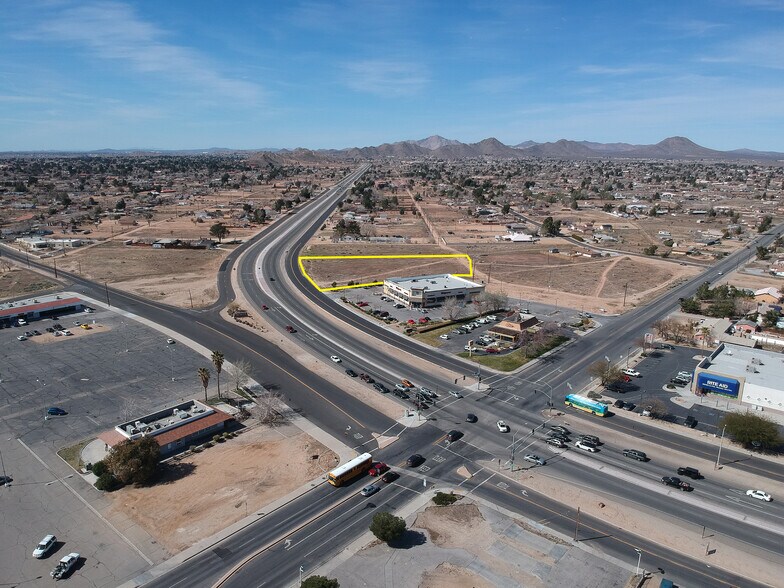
[[335, 358], [759, 495], [22, 338], [534, 459], [502, 426], [170, 341], [632, 373], [455, 393], [64, 565], [45, 545], [445, 337], [21, 322], [585, 446]]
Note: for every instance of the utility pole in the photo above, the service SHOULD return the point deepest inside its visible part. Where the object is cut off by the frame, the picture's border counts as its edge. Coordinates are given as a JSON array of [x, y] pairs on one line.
[[625, 289], [55, 267], [721, 442], [106, 287], [577, 525]]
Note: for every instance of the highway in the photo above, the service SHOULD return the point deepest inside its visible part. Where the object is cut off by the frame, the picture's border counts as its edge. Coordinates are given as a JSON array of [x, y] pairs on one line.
[[268, 274]]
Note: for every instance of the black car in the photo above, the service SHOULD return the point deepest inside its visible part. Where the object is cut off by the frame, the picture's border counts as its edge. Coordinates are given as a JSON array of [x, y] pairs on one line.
[[635, 454], [690, 422], [351, 373], [630, 406], [414, 460], [560, 436], [380, 387], [400, 394], [453, 435], [592, 439], [692, 473], [559, 429], [471, 418], [55, 411], [618, 403]]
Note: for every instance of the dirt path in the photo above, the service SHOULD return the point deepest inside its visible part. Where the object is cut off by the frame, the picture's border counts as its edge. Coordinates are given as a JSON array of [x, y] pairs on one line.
[[603, 279]]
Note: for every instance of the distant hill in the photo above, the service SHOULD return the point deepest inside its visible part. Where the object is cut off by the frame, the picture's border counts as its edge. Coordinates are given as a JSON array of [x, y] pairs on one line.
[[437, 147]]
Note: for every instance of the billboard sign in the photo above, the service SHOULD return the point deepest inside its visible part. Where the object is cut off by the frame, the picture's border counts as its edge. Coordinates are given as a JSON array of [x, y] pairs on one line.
[[718, 384]]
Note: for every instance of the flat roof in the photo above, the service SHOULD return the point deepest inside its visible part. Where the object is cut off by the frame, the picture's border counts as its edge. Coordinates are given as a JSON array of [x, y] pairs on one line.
[[733, 360], [433, 282], [37, 304]]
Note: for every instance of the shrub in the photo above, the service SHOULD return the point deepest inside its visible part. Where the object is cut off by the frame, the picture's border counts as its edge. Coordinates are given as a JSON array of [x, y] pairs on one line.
[[134, 461], [444, 499], [106, 482], [99, 468], [319, 582], [387, 527], [216, 438]]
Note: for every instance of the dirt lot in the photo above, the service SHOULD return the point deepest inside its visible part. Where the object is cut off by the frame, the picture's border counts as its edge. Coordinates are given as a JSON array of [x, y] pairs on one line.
[[165, 275], [232, 479], [21, 282]]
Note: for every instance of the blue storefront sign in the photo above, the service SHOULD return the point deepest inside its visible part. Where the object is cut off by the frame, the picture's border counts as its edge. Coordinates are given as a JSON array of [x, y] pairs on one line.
[[718, 384]]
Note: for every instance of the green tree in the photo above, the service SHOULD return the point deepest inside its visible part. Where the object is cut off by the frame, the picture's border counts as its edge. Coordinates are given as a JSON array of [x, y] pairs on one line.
[[319, 582], [387, 527], [650, 250], [770, 318], [120, 204], [134, 461], [278, 205], [219, 230], [691, 306], [606, 372], [550, 227], [747, 427], [762, 253], [204, 376], [506, 208], [765, 223], [259, 215], [217, 361]]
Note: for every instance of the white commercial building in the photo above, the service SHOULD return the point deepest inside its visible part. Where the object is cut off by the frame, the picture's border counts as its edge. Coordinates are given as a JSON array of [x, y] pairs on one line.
[[425, 291], [752, 376]]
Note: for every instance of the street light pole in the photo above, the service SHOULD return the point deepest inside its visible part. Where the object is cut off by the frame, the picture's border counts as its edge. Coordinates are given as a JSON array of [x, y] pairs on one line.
[[721, 442], [639, 558]]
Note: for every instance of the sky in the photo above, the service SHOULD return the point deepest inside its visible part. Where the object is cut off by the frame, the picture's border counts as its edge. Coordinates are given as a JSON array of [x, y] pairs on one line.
[[249, 74]]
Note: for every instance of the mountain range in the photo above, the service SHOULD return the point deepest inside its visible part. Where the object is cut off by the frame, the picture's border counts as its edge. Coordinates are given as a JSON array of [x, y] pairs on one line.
[[677, 148], [437, 147]]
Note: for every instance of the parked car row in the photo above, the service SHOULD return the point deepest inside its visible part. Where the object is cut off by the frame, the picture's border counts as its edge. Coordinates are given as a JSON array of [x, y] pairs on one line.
[[66, 563]]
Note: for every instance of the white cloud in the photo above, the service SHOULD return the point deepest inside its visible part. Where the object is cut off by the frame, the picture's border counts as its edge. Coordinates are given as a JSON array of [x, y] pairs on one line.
[[113, 31], [603, 70], [385, 78]]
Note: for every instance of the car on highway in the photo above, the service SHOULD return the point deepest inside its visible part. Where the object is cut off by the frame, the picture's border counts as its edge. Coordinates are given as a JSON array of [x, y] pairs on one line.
[[560, 429], [632, 373], [556, 442], [291, 329], [351, 373], [427, 392], [406, 383], [635, 454], [55, 411], [759, 495], [264, 307], [64, 566], [559, 436], [692, 473], [378, 468], [44, 546], [335, 358], [471, 418], [502, 426], [534, 459], [455, 393], [399, 393], [390, 477], [380, 387], [369, 490], [585, 446], [414, 460], [676, 483], [592, 439]]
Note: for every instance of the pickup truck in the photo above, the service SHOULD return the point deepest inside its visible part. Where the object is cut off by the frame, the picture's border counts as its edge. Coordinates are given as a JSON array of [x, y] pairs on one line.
[[676, 483]]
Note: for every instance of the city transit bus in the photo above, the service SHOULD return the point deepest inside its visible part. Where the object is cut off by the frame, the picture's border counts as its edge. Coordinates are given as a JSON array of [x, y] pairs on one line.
[[586, 404], [351, 469]]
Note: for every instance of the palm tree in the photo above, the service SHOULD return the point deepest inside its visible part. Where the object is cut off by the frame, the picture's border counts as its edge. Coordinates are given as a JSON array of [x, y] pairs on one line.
[[204, 376], [217, 361]]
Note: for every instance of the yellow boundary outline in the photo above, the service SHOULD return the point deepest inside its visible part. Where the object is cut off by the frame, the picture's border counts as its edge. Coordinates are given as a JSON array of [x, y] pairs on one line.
[[303, 258]]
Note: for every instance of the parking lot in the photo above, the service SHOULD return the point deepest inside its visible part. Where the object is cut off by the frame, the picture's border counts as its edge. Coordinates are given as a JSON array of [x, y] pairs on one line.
[[99, 376], [657, 369]]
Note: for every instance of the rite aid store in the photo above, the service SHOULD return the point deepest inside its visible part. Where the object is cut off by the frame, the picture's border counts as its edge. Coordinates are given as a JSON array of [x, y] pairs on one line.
[[749, 376]]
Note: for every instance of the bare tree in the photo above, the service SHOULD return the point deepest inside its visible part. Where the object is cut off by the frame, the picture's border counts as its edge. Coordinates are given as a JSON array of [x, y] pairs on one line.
[[498, 301], [240, 374], [657, 408], [451, 308], [605, 371], [269, 408]]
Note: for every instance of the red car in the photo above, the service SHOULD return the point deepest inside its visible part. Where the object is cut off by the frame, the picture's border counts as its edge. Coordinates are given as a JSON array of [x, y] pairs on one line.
[[291, 329], [264, 307], [361, 304], [378, 469]]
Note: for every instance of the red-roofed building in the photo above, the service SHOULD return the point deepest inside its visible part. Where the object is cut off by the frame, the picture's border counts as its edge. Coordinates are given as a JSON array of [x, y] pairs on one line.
[[36, 308]]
